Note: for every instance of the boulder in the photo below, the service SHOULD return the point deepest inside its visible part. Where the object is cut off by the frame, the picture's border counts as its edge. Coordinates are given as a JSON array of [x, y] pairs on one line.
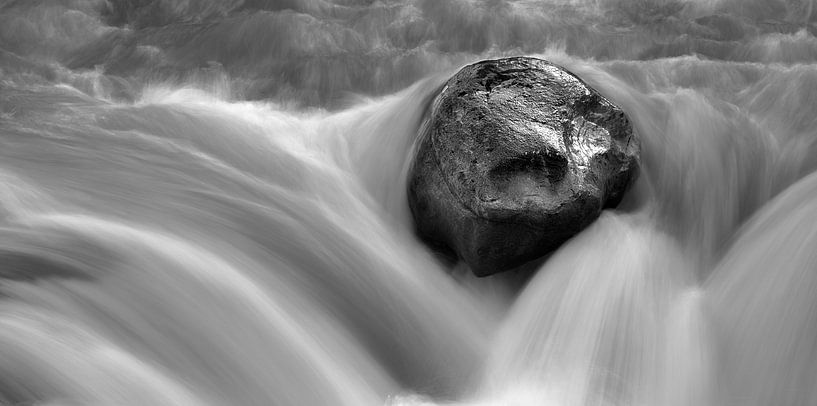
[[516, 156]]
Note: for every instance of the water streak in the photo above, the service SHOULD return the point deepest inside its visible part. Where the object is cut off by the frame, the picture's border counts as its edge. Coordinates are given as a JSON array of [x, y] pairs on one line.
[[204, 203]]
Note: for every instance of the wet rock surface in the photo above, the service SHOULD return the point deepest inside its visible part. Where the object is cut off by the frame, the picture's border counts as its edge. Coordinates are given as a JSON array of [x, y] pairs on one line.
[[517, 156]]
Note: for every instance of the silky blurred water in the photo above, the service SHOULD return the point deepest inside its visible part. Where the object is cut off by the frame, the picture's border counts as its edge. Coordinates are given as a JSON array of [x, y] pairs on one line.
[[203, 202]]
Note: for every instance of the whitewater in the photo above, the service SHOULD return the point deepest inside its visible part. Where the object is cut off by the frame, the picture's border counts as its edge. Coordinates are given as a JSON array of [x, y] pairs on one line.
[[204, 203]]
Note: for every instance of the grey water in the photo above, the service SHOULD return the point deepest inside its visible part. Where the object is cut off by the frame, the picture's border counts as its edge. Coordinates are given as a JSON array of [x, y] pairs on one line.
[[203, 202]]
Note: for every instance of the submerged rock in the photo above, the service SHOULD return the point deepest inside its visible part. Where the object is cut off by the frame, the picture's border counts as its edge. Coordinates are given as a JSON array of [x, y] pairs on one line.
[[517, 156]]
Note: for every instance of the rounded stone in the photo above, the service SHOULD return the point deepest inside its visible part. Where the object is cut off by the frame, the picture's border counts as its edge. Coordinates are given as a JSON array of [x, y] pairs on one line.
[[516, 156]]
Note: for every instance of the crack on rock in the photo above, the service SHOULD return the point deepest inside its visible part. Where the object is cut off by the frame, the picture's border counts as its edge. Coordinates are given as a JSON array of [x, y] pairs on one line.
[[495, 76]]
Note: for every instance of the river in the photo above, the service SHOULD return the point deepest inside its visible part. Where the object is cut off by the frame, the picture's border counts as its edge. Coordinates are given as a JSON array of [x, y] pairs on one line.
[[203, 202]]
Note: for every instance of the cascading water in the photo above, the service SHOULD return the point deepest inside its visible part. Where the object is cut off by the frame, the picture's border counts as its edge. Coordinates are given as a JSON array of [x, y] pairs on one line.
[[203, 203]]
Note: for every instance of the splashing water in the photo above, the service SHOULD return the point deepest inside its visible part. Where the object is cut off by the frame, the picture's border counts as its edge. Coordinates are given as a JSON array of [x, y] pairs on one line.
[[204, 203]]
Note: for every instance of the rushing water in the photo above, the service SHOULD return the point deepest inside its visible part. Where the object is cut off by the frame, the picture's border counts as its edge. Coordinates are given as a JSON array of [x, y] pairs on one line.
[[202, 202]]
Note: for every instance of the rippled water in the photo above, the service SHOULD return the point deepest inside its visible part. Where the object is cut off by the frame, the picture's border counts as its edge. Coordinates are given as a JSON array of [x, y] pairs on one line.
[[203, 203]]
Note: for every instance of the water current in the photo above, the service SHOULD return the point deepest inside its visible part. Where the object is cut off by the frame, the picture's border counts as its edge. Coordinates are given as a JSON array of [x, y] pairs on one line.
[[203, 202]]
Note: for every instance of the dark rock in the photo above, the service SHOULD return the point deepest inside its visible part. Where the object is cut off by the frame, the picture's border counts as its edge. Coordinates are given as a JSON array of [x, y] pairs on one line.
[[516, 156]]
